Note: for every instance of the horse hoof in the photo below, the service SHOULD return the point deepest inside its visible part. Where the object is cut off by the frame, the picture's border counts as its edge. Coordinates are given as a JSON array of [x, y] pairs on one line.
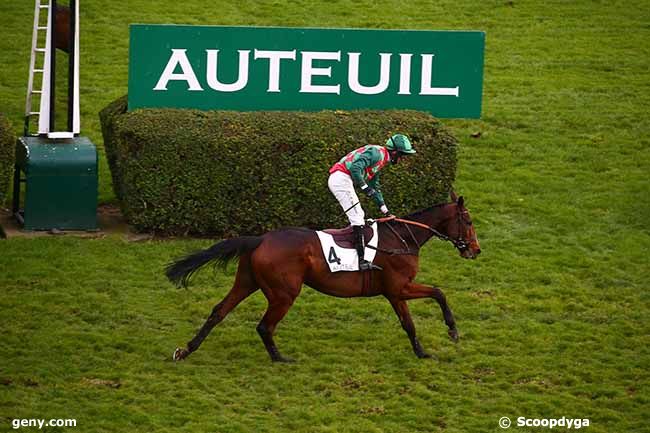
[[284, 360], [453, 334], [424, 355], [180, 354]]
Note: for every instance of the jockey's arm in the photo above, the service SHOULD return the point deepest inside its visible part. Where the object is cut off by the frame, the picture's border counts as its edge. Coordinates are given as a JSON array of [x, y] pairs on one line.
[[374, 183], [357, 172], [358, 168]]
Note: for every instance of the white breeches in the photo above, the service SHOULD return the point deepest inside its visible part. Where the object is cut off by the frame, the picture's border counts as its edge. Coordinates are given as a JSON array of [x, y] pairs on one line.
[[343, 189]]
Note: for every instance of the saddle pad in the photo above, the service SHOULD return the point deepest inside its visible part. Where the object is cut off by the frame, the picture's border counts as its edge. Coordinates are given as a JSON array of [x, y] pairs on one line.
[[346, 259]]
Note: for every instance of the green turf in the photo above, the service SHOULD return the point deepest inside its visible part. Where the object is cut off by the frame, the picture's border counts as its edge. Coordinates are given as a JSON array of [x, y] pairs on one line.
[[553, 316]]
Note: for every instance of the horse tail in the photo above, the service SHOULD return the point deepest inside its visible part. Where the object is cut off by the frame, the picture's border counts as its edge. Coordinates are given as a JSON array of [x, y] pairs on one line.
[[180, 271]]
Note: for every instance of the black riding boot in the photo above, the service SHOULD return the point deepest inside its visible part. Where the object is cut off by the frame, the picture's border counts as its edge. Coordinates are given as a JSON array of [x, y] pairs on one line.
[[360, 244]]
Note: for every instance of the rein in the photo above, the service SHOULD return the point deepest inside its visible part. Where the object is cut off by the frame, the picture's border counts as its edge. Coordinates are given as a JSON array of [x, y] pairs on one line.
[[460, 243]]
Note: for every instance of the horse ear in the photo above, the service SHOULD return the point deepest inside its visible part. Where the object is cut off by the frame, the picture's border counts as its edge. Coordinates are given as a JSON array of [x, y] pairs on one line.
[[453, 196], [461, 201]]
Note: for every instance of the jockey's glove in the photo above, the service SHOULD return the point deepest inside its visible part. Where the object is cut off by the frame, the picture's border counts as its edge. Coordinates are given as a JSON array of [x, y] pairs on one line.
[[368, 190], [384, 209]]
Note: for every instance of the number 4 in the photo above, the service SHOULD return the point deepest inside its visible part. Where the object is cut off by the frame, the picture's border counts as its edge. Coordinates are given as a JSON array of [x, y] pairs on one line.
[[333, 258]]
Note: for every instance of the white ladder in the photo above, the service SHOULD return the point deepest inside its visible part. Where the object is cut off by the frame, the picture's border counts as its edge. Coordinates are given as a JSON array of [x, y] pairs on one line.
[[37, 51], [42, 55]]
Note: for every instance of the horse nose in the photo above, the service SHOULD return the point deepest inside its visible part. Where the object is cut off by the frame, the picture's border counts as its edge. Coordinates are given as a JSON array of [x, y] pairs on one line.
[[478, 251]]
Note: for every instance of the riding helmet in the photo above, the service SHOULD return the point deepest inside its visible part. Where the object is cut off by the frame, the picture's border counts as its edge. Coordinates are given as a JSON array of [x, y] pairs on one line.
[[401, 143]]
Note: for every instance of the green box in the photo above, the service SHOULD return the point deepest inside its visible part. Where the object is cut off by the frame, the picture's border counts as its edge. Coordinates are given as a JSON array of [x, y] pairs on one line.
[[306, 69], [60, 178]]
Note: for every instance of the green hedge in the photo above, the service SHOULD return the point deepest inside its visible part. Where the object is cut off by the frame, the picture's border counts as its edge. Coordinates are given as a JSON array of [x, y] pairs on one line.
[[7, 149], [225, 173]]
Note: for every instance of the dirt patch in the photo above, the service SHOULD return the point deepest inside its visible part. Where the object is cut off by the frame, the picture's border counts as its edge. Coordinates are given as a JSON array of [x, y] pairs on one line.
[[109, 220], [101, 382]]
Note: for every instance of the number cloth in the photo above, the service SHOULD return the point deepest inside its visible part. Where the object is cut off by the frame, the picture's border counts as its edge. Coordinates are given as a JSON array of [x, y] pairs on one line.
[[346, 259]]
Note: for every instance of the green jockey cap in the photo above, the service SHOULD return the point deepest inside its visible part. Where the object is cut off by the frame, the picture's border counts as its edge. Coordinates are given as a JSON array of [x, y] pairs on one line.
[[401, 143]]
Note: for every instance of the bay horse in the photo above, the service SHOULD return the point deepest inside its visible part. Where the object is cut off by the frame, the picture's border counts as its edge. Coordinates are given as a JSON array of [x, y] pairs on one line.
[[279, 262]]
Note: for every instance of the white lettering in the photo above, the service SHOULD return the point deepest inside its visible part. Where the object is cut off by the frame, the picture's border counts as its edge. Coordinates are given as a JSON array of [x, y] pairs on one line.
[[405, 74], [551, 423], [308, 71], [353, 75], [313, 64], [178, 58], [211, 72], [40, 424], [426, 89], [274, 65]]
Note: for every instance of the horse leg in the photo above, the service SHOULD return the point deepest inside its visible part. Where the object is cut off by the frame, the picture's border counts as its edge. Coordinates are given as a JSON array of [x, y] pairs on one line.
[[404, 315], [243, 287], [417, 291], [276, 310]]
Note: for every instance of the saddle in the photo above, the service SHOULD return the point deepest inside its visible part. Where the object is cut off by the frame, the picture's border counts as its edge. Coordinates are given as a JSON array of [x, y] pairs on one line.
[[344, 237]]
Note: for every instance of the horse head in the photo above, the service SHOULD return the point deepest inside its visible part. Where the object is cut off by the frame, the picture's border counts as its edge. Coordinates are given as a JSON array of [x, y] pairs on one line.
[[460, 230]]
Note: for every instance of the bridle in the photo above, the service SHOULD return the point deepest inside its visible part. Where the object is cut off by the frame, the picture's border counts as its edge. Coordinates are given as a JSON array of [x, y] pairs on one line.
[[460, 242]]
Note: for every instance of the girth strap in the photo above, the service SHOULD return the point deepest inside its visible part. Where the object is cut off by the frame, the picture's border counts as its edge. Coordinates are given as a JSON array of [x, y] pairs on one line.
[[366, 283]]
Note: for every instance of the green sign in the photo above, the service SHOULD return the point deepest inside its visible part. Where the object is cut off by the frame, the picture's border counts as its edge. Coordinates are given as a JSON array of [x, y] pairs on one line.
[[271, 68]]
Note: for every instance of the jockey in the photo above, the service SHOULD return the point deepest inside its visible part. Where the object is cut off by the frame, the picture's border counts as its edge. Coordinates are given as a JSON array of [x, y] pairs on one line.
[[361, 168]]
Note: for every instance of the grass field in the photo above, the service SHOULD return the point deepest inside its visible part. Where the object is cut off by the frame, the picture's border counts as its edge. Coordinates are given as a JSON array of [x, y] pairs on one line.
[[553, 316]]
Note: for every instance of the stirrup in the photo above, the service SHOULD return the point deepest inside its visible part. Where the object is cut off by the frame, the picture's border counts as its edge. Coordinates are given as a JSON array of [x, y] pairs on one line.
[[365, 265]]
